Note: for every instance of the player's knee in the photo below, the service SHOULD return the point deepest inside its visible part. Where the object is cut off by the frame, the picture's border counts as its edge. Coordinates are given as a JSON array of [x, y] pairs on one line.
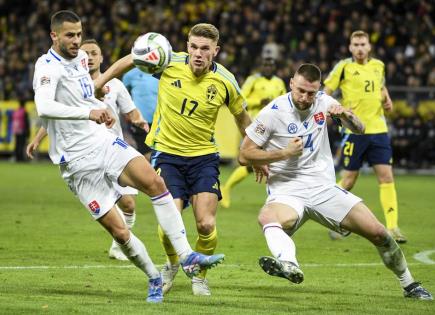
[[378, 234], [266, 216], [121, 235], [206, 227], [127, 205]]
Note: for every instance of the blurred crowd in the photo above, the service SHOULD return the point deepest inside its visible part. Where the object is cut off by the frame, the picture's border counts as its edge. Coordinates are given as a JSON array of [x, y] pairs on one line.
[[401, 32]]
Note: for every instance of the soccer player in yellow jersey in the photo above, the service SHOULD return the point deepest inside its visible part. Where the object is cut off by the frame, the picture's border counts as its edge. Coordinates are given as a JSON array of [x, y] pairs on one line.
[[259, 89], [362, 83], [191, 90]]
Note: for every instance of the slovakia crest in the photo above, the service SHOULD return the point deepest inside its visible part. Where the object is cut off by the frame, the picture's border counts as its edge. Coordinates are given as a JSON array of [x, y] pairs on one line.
[[94, 207], [319, 118], [292, 128], [84, 65]]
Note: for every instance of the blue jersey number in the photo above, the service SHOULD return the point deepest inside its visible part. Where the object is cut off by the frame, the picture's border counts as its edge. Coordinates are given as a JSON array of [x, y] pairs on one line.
[[309, 143], [87, 87]]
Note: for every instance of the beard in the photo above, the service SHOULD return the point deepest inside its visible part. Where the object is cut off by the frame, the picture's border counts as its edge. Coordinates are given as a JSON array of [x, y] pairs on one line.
[[67, 54]]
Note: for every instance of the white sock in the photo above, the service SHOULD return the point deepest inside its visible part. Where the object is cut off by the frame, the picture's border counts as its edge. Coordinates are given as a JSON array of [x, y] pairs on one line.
[[280, 244], [130, 219], [394, 260], [172, 224], [136, 252]]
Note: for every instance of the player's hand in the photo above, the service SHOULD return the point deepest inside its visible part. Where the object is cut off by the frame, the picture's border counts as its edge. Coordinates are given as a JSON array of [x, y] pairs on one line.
[[102, 116], [142, 124], [388, 104], [294, 147], [261, 171], [336, 110], [31, 148]]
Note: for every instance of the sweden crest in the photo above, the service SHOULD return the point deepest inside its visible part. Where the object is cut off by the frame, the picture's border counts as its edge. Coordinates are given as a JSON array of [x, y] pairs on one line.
[[211, 92]]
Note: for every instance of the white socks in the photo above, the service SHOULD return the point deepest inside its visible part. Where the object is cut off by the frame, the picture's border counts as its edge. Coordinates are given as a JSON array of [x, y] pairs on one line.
[[280, 244], [394, 260], [171, 223], [136, 252]]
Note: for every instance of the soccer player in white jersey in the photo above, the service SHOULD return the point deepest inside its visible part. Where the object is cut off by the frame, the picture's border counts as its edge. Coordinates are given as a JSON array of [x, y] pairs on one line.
[[91, 158], [120, 102], [290, 135]]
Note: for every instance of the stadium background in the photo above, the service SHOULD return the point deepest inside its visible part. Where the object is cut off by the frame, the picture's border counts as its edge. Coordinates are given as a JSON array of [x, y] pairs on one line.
[[401, 33]]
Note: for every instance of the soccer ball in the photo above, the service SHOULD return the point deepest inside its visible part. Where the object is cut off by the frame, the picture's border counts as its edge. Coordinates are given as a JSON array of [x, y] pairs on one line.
[[151, 52]]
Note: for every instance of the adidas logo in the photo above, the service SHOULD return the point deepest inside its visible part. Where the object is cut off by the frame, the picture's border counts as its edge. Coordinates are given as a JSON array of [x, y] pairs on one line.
[[356, 72], [176, 83]]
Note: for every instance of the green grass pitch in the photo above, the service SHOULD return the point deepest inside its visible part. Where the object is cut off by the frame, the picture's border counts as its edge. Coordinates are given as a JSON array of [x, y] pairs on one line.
[[53, 258]]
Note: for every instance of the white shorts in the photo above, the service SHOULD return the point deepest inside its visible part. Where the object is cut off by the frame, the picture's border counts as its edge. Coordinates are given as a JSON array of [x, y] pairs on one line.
[[93, 178], [327, 206]]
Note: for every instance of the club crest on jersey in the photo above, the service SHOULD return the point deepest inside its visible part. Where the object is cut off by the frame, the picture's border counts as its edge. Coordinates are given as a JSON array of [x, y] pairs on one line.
[[211, 92], [45, 80], [94, 207], [292, 128], [319, 118], [260, 129]]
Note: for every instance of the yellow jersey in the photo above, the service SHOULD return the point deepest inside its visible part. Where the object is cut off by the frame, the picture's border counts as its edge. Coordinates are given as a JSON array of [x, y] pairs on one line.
[[258, 87], [361, 87], [187, 107]]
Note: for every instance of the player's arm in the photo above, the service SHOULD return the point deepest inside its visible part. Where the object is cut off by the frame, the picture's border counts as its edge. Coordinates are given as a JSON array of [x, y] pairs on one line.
[[117, 69], [328, 90], [252, 154], [136, 118], [32, 146], [242, 121], [347, 118], [386, 99]]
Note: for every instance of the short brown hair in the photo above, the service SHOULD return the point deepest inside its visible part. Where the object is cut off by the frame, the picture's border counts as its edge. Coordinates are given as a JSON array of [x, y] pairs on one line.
[[59, 17], [205, 30], [90, 41], [359, 33], [310, 72]]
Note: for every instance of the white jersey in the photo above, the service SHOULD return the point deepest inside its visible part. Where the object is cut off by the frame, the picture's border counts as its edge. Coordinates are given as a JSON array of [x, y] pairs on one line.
[[280, 121], [64, 97], [119, 101]]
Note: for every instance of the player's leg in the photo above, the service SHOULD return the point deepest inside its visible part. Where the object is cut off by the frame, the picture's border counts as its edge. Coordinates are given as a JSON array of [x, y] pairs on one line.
[[138, 173], [361, 221], [203, 181], [279, 220], [380, 157], [236, 177], [204, 206], [126, 207], [388, 198]]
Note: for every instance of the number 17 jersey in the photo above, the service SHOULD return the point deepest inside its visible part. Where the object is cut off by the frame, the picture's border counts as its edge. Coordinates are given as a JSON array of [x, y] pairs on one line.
[[187, 107]]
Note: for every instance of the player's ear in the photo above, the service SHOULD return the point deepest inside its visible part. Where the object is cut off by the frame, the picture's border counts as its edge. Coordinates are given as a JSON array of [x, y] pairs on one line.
[[53, 35], [291, 84], [216, 51]]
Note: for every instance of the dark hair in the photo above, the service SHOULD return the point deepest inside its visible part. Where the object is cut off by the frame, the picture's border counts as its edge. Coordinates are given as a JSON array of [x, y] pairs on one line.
[[90, 41], [310, 72], [63, 16]]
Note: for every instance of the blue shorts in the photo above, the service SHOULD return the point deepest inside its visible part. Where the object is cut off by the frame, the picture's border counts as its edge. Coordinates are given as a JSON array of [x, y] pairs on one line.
[[188, 176], [373, 148]]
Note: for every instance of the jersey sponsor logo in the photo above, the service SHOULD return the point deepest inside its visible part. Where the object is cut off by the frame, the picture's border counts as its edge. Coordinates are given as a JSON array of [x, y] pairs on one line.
[[305, 124], [94, 207], [356, 72], [211, 92], [176, 83], [274, 106], [45, 80], [260, 129], [121, 143], [292, 128], [319, 118]]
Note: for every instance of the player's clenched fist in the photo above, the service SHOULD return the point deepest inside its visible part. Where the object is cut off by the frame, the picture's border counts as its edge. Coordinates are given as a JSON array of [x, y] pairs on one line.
[[294, 147], [102, 116]]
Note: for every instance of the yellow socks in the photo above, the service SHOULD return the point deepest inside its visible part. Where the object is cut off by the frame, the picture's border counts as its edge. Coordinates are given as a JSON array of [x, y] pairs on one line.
[[388, 199], [169, 249], [206, 244]]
